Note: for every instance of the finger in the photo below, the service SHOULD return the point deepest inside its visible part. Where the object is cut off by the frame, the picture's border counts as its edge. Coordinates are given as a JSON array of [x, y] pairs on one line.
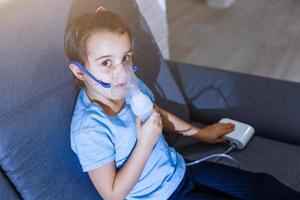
[[231, 125], [228, 127], [157, 113], [159, 118], [160, 122], [154, 115], [138, 123]]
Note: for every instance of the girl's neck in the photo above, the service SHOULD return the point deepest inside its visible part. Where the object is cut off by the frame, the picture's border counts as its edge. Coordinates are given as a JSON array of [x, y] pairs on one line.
[[111, 107]]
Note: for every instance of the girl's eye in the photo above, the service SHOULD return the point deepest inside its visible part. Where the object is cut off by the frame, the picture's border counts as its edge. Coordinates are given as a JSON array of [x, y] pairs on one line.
[[106, 63], [126, 58]]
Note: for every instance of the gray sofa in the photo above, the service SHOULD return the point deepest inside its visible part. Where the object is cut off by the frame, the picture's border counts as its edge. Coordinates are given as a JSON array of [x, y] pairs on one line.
[[38, 95]]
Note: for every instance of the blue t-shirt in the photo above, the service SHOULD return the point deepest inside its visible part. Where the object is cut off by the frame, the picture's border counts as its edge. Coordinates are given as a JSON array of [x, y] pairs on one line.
[[98, 139]]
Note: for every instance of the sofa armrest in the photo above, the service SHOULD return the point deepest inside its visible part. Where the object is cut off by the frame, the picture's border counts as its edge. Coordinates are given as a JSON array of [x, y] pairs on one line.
[[270, 105]]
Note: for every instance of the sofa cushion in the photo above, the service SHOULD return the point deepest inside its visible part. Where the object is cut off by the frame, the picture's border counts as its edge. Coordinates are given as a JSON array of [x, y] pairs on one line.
[[36, 103], [271, 106], [7, 191], [36, 154], [277, 158]]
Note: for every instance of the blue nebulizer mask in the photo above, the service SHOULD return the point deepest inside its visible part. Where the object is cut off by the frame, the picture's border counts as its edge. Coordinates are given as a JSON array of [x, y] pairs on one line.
[[125, 84]]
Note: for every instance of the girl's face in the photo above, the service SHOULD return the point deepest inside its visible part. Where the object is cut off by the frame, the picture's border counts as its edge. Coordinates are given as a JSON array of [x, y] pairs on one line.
[[107, 54]]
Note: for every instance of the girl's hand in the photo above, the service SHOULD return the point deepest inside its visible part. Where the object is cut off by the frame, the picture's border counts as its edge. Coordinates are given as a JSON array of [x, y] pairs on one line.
[[214, 133], [149, 131]]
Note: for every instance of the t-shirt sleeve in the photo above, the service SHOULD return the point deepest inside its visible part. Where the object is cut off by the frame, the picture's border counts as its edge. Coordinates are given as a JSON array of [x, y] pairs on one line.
[[146, 90], [94, 149]]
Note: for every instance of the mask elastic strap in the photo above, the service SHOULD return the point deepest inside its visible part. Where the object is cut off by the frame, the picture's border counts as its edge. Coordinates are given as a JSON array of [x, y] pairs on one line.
[[103, 84]]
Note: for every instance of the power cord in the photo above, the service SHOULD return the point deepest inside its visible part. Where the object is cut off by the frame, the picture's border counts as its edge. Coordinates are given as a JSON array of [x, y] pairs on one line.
[[232, 146]]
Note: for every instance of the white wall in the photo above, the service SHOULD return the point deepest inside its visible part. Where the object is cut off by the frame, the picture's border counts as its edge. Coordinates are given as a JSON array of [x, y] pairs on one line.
[[220, 3], [154, 12]]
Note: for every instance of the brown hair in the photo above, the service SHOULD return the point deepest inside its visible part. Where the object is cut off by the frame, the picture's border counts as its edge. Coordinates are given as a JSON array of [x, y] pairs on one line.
[[79, 31]]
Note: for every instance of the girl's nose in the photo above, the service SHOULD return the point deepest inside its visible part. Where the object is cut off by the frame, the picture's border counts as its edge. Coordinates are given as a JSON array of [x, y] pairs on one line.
[[120, 72]]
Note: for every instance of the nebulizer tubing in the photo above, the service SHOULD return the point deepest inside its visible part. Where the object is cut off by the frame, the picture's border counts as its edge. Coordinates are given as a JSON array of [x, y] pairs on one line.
[[218, 157]]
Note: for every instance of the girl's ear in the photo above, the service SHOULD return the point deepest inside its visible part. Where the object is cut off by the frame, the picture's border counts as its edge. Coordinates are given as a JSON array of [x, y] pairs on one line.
[[76, 71]]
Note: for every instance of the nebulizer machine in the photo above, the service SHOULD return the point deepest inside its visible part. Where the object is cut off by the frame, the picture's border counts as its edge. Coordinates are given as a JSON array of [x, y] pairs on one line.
[[237, 139], [124, 84]]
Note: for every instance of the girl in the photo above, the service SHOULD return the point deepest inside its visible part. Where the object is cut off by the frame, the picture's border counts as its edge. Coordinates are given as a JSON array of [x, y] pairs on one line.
[[129, 159]]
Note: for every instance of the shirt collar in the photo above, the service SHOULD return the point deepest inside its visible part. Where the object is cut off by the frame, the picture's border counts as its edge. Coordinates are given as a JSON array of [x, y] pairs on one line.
[[86, 101]]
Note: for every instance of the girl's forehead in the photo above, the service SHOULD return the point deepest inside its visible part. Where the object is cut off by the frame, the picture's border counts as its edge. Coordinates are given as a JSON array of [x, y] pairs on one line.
[[106, 43]]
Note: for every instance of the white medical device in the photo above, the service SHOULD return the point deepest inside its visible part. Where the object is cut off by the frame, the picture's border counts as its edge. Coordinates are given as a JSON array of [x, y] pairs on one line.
[[241, 135], [238, 139]]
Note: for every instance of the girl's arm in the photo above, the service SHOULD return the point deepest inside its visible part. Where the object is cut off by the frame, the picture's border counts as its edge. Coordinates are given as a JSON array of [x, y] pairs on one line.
[[112, 184], [211, 134], [115, 185]]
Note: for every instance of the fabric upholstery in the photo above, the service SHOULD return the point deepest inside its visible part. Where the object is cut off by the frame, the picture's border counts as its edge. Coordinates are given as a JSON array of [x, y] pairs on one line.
[[261, 155], [7, 191], [270, 105]]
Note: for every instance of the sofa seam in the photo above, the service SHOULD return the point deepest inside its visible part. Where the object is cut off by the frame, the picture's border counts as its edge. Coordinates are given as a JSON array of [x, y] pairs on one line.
[[34, 101], [11, 183]]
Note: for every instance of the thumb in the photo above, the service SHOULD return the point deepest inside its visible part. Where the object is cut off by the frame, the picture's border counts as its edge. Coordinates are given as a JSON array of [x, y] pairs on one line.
[[227, 128]]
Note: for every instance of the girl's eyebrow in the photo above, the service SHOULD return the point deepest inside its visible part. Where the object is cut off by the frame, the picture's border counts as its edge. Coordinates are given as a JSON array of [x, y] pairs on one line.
[[107, 56], [129, 51]]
